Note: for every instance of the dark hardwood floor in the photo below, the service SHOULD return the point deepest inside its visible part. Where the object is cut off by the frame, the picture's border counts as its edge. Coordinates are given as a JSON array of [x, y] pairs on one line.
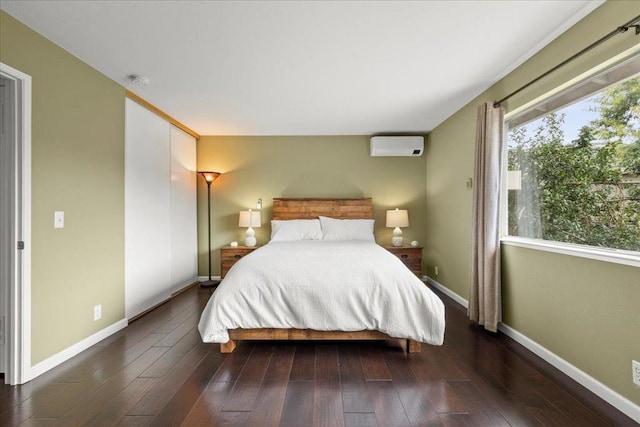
[[158, 372]]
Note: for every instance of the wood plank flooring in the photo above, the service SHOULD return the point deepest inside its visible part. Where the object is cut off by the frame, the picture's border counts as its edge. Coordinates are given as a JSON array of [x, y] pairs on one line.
[[158, 372]]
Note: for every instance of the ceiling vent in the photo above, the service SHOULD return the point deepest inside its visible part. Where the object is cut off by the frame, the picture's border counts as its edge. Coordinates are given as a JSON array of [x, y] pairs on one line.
[[397, 146]]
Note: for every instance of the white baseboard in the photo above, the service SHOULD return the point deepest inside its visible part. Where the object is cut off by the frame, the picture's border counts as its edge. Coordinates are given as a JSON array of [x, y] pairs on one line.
[[616, 400], [610, 396], [69, 352], [205, 278], [448, 292]]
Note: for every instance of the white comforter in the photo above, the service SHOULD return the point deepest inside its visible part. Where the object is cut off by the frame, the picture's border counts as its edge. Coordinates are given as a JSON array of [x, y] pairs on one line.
[[326, 286]]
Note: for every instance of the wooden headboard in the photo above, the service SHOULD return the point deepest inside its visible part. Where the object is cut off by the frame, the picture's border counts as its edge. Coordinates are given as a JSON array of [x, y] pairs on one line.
[[284, 209]]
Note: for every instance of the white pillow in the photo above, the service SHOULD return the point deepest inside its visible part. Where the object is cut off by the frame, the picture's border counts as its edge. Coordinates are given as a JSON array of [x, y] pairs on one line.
[[295, 229], [347, 229]]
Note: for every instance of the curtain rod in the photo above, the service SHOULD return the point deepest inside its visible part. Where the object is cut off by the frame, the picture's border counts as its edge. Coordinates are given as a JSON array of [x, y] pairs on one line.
[[622, 29]]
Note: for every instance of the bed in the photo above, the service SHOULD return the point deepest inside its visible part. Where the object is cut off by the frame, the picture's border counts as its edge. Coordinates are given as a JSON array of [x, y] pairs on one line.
[[347, 289]]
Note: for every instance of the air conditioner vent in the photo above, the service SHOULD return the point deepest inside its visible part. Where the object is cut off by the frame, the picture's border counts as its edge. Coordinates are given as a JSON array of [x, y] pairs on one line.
[[397, 146]]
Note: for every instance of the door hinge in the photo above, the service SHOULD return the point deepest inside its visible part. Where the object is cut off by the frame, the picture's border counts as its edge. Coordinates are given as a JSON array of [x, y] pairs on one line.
[[20, 245]]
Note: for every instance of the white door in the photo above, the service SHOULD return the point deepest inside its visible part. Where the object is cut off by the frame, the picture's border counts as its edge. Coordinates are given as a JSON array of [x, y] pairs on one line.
[[184, 227], [147, 209]]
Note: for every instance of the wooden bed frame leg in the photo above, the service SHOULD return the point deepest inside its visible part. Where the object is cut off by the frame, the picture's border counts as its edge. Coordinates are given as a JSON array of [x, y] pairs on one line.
[[228, 346], [413, 346]]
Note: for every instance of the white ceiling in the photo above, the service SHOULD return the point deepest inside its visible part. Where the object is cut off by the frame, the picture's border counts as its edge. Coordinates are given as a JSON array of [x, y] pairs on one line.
[[304, 67]]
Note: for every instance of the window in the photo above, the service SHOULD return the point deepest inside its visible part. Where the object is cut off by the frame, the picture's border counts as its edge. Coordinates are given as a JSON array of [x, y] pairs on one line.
[[573, 164]]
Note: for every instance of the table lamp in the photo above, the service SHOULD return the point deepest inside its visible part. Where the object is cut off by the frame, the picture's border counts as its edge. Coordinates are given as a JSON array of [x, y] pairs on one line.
[[397, 218], [250, 219]]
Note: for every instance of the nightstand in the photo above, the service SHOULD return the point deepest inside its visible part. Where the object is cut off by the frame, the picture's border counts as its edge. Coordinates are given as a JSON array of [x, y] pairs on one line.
[[229, 255], [410, 256]]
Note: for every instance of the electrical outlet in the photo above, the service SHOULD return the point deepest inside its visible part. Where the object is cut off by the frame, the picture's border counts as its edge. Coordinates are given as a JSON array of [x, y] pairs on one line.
[[436, 270], [636, 372], [97, 312]]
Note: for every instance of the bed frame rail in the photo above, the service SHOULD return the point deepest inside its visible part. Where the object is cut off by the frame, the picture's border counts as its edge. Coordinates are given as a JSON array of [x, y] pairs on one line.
[[410, 346]]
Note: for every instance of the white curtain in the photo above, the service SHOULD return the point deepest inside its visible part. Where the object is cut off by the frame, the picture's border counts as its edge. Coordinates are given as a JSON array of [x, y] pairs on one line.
[[484, 294]]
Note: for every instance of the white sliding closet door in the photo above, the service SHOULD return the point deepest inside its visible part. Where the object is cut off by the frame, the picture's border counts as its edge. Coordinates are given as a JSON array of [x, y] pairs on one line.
[[147, 209], [184, 232]]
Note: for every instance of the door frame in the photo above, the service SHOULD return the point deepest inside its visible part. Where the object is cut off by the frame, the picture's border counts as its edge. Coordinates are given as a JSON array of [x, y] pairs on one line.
[[18, 342]]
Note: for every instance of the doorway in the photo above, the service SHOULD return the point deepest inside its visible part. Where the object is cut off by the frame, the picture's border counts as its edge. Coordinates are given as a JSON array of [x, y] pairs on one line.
[[15, 225], [7, 90]]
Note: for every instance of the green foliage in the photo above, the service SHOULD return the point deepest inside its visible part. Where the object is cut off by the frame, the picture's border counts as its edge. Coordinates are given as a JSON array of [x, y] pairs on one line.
[[585, 137], [587, 191], [631, 158], [619, 110]]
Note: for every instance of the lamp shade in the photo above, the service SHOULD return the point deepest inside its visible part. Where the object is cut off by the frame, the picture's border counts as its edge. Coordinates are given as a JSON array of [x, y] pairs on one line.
[[250, 219], [209, 176], [398, 218]]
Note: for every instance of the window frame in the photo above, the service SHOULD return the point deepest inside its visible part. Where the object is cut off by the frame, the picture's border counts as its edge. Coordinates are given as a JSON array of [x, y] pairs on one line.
[[555, 100]]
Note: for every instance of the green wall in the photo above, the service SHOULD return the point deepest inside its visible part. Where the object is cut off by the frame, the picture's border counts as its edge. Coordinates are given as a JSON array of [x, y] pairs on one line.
[[555, 299], [583, 310], [78, 168], [302, 166]]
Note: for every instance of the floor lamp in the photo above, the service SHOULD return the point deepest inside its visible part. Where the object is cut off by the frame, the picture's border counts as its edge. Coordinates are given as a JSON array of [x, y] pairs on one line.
[[209, 177]]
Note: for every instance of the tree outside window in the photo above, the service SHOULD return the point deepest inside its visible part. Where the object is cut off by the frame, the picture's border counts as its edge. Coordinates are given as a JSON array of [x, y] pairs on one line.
[[582, 188]]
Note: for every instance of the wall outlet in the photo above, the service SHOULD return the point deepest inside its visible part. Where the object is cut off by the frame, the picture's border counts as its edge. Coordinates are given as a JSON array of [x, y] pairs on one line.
[[97, 312], [435, 270], [636, 372]]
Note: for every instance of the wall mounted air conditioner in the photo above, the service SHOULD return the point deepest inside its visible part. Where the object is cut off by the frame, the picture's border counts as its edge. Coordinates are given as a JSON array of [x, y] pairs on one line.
[[397, 146]]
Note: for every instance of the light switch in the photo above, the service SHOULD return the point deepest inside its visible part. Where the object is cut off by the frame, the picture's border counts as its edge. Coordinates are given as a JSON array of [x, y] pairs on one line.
[[58, 219]]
